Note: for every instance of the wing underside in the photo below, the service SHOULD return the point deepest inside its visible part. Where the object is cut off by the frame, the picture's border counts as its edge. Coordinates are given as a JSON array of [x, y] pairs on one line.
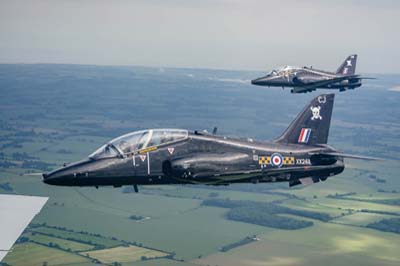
[[16, 212]]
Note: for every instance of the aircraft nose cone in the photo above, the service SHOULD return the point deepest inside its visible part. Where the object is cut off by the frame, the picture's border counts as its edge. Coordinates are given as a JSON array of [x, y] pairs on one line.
[[255, 81], [260, 81], [68, 175], [56, 177], [44, 176]]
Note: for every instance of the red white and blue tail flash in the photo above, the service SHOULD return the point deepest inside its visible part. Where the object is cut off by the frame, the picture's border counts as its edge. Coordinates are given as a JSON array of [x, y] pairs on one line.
[[304, 135]]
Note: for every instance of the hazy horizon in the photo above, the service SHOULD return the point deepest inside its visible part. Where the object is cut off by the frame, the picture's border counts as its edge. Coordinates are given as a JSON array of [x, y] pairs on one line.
[[224, 34]]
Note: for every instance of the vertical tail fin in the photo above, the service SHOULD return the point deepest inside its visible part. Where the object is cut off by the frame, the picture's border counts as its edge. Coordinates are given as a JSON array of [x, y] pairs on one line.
[[311, 125], [348, 67]]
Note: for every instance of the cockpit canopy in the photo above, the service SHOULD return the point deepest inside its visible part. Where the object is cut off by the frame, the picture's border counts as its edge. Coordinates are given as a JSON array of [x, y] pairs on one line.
[[283, 70], [138, 140]]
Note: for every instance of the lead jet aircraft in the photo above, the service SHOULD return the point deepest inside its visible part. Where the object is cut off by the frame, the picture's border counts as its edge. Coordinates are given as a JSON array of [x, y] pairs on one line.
[[306, 79], [177, 156]]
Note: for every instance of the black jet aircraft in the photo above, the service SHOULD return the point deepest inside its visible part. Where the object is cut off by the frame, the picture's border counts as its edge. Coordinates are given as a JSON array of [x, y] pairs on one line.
[[177, 156], [306, 79]]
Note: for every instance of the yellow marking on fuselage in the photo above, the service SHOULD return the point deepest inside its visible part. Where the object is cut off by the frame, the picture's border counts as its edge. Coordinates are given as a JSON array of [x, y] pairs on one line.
[[148, 149], [262, 160], [288, 160]]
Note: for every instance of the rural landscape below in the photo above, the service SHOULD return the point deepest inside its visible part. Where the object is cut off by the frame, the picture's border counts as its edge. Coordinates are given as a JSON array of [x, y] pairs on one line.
[[55, 114]]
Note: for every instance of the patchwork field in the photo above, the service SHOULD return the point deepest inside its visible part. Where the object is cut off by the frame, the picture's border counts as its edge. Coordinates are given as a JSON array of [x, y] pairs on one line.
[[30, 254], [335, 245], [361, 218], [166, 231], [62, 234], [62, 243], [124, 254], [157, 262]]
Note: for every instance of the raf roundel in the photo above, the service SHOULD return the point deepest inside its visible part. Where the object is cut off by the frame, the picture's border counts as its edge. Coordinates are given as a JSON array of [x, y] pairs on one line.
[[276, 160]]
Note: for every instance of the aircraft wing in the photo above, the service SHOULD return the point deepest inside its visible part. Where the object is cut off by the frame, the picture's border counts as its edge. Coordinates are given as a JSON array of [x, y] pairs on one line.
[[313, 85], [16, 212]]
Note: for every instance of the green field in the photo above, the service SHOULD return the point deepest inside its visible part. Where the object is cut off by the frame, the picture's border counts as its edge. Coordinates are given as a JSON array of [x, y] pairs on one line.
[[124, 254], [193, 192], [61, 235], [158, 262], [166, 231], [361, 218], [336, 244], [62, 243], [30, 254]]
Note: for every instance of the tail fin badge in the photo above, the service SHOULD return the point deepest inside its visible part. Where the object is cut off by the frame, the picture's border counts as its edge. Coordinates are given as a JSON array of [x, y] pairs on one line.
[[315, 113], [304, 135], [322, 99]]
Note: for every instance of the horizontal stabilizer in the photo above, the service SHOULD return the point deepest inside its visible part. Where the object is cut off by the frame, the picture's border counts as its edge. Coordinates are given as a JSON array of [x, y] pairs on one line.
[[353, 156]]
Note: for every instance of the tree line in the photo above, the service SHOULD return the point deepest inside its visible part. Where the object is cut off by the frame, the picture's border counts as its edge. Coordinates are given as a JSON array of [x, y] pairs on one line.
[[265, 213]]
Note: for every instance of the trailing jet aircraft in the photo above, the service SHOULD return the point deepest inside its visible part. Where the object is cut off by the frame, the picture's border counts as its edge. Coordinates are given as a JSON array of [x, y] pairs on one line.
[[306, 79], [177, 156]]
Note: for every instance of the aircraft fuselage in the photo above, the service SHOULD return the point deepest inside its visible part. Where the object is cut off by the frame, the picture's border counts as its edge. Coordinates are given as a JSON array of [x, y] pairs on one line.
[[203, 159], [306, 79], [303, 77]]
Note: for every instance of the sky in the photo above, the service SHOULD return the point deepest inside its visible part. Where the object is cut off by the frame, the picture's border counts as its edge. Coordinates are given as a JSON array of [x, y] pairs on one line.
[[223, 34]]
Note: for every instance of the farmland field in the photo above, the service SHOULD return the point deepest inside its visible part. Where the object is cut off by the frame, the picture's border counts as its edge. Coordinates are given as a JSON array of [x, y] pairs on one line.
[[62, 243], [61, 234], [341, 245], [361, 218], [124, 254], [32, 255]]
